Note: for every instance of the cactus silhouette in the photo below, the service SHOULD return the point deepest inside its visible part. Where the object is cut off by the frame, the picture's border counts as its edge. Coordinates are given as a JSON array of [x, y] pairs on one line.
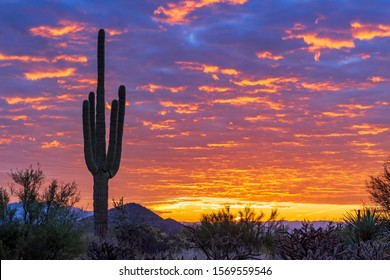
[[101, 165]]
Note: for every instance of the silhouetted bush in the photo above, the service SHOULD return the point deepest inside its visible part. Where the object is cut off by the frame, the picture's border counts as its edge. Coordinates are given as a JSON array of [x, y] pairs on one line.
[[47, 227], [222, 235], [308, 242]]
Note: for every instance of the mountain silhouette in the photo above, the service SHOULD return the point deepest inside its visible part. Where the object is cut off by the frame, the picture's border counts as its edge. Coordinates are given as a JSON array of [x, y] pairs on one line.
[[133, 213]]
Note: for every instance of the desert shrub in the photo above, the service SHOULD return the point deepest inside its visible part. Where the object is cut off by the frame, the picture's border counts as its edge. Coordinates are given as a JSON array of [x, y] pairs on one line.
[[106, 249], [363, 225], [135, 241], [379, 188], [47, 227], [222, 235], [309, 242]]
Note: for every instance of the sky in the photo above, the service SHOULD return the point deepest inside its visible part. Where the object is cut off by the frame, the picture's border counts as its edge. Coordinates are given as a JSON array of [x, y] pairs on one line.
[[268, 104]]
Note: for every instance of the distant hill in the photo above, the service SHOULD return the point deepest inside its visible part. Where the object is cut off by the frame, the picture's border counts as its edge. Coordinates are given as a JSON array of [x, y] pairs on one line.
[[133, 213], [18, 207], [298, 224]]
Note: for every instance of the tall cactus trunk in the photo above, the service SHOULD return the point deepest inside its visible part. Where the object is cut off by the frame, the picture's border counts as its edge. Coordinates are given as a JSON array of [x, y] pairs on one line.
[[103, 166], [100, 204]]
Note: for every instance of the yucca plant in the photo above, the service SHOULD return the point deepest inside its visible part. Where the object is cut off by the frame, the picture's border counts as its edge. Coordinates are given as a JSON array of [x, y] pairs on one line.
[[362, 225]]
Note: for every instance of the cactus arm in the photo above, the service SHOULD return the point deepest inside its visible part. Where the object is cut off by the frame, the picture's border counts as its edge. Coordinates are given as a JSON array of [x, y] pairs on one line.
[[91, 99], [100, 106], [121, 120], [113, 136], [88, 153]]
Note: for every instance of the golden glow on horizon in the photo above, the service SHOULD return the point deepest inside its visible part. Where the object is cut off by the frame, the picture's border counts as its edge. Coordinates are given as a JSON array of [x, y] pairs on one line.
[[188, 209]]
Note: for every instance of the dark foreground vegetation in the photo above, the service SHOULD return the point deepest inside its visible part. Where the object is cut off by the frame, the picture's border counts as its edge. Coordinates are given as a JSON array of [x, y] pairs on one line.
[[49, 227]]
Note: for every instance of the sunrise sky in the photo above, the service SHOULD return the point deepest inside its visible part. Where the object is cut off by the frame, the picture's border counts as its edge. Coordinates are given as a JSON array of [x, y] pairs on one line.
[[273, 104]]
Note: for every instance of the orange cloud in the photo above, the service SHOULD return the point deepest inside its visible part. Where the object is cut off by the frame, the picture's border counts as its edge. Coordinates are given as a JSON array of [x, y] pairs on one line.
[[271, 85], [154, 87], [303, 135], [317, 56], [328, 86], [181, 108], [349, 111], [369, 31], [317, 43], [355, 106], [228, 144], [164, 125], [289, 144], [25, 100], [5, 141], [66, 27], [49, 74], [342, 114], [256, 118], [18, 118], [177, 13], [377, 79], [71, 58], [115, 32], [268, 55], [23, 58], [213, 89], [67, 96], [244, 100], [52, 144], [367, 129], [40, 107], [205, 68], [240, 100]]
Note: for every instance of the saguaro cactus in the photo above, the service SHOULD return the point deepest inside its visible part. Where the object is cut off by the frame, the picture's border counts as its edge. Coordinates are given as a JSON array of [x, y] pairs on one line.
[[101, 165]]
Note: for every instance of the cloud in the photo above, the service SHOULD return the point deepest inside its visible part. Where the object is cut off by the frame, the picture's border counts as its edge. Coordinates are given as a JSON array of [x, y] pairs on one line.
[[316, 42], [207, 68], [25, 100], [181, 108], [163, 125], [368, 129], [153, 87], [18, 117], [65, 27], [368, 31], [271, 84], [377, 79], [177, 13], [246, 100], [52, 145], [22, 58], [71, 58], [55, 73], [213, 89], [269, 55]]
